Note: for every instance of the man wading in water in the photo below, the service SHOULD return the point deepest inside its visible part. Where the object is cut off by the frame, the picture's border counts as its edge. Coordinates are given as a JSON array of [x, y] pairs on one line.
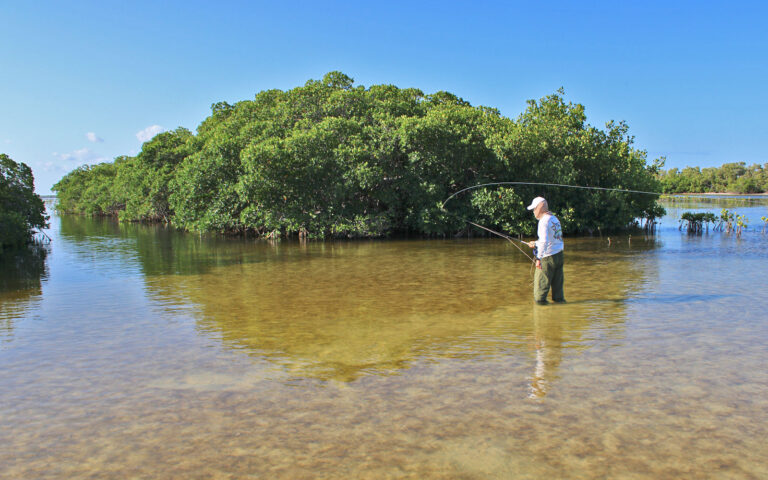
[[549, 254]]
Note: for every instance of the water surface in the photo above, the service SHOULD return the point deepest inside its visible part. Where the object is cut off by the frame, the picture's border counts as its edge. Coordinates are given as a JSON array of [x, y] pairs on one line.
[[129, 351]]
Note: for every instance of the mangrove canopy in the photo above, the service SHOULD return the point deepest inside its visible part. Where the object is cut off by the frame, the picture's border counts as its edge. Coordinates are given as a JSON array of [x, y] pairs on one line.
[[21, 209], [334, 159], [734, 177]]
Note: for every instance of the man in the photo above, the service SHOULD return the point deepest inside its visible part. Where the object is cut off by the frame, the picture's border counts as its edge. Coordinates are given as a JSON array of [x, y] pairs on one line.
[[549, 254]]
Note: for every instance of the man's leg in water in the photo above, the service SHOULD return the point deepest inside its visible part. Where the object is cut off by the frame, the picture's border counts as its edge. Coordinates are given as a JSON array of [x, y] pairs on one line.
[[557, 278], [541, 280]]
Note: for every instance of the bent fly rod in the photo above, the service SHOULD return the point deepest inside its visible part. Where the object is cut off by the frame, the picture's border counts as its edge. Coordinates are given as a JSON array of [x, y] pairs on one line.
[[512, 240]]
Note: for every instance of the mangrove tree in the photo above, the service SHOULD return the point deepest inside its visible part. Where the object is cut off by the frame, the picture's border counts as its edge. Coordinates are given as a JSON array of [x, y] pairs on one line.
[[334, 159]]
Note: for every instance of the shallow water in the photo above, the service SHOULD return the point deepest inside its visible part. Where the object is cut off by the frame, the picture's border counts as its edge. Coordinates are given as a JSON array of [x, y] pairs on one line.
[[138, 352]]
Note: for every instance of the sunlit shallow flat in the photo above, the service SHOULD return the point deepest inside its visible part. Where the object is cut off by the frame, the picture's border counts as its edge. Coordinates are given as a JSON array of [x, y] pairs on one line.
[[138, 352]]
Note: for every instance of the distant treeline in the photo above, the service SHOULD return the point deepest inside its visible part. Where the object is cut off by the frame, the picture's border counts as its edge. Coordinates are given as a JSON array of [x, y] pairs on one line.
[[21, 209], [731, 177], [333, 159]]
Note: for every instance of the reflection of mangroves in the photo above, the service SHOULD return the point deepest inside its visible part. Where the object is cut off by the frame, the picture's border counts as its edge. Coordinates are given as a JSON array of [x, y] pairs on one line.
[[21, 273], [160, 249], [344, 310]]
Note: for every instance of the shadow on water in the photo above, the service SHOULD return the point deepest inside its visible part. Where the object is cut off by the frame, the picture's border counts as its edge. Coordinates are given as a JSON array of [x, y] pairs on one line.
[[21, 274]]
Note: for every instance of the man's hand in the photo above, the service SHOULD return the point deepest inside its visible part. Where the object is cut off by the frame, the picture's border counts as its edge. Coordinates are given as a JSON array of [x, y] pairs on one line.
[[532, 243], [538, 264]]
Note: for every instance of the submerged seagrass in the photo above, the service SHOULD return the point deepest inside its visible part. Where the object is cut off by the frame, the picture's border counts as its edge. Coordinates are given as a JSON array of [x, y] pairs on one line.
[[334, 159]]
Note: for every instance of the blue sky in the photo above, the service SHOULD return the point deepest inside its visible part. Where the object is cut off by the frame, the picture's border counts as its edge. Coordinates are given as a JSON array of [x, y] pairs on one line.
[[83, 82]]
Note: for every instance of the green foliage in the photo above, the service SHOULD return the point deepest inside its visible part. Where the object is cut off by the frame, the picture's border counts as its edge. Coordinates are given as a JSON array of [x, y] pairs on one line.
[[90, 190], [334, 159], [502, 207], [144, 182], [21, 209], [697, 222], [726, 220], [135, 188], [730, 177], [741, 224]]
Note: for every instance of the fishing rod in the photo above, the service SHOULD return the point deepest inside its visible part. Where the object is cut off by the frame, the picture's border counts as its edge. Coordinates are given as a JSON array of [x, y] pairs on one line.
[[507, 237], [512, 240]]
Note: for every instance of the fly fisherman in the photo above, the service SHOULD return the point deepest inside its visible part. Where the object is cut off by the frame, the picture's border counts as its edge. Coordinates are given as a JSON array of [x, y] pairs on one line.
[[548, 250]]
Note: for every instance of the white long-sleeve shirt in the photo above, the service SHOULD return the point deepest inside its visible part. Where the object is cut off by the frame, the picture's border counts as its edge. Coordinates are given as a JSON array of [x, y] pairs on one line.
[[550, 234]]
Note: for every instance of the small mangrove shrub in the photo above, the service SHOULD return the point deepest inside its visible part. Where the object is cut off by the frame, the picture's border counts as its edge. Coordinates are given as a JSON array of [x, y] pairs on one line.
[[765, 223], [726, 221], [741, 224], [696, 222]]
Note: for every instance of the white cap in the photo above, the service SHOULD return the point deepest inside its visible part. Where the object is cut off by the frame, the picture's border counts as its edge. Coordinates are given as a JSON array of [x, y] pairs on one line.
[[535, 203]]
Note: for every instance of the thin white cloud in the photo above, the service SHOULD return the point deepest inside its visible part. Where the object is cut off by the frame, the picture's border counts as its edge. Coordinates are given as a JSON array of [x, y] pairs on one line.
[[83, 154], [65, 162], [92, 137], [149, 132]]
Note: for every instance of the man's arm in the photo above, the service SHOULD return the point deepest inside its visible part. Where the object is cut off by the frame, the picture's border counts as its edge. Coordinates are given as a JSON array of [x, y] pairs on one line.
[[543, 232]]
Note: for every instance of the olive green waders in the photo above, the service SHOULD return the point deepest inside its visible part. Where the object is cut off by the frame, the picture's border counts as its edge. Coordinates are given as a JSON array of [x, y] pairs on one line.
[[550, 275]]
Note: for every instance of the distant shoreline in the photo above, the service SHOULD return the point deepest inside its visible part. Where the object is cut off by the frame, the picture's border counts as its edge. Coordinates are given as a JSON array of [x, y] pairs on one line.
[[764, 194]]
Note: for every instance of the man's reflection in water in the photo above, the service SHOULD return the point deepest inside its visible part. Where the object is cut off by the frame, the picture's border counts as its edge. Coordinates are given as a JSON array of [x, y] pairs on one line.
[[547, 341]]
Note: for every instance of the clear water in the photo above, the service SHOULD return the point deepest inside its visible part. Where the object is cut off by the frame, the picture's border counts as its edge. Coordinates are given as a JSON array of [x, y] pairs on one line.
[[138, 352]]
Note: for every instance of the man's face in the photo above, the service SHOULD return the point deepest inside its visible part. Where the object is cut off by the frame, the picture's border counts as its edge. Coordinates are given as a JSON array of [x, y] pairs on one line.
[[540, 210]]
